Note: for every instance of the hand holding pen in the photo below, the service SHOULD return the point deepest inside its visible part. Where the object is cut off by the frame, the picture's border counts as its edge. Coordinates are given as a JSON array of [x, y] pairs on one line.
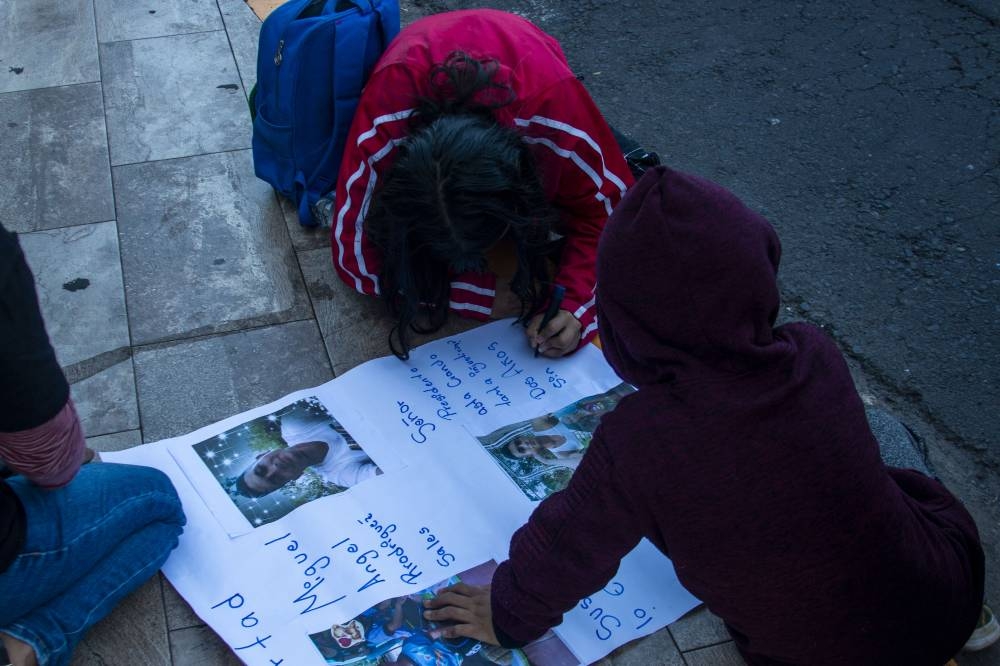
[[556, 332]]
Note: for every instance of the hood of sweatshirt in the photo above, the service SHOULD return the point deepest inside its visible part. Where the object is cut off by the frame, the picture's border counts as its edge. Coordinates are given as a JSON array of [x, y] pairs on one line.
[[686, 283]]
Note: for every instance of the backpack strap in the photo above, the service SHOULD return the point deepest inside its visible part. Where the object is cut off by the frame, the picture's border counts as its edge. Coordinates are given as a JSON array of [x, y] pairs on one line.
[[388, 13], [355, 57], [351, 47]]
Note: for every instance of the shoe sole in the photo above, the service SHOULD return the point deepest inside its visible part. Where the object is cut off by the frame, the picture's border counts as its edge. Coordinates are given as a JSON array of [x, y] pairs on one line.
[[988, 638]]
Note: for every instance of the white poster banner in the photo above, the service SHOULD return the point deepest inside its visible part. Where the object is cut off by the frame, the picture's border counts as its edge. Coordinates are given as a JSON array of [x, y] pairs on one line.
[[318, 523]]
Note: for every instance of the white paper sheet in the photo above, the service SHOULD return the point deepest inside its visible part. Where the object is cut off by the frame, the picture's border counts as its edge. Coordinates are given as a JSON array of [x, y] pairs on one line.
[[467, 436]]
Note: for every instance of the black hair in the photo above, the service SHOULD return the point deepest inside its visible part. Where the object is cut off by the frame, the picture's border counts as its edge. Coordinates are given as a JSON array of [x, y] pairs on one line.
[[460, 183]]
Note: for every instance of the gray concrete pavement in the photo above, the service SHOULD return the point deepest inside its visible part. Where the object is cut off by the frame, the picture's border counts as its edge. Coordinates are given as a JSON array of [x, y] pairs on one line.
[[179, 290]]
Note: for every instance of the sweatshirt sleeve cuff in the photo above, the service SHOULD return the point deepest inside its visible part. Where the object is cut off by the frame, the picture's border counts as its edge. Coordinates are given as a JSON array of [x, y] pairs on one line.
[[505, 640], [502, 618], [472, 295], [586, 314], [50, 454]]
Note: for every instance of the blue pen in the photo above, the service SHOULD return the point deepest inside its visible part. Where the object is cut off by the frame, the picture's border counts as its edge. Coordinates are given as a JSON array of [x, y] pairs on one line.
[[557, 298]]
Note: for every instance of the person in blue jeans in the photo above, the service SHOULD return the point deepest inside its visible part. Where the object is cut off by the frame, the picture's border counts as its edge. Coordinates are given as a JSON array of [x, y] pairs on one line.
[[74, 539]]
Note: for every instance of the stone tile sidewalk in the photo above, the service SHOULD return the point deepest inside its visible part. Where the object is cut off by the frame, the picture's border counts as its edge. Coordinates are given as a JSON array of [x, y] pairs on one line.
[[177, 288]]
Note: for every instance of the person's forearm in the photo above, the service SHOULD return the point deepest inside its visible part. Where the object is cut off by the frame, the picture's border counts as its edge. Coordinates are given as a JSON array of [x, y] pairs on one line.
[[50, 454], [566, 551]]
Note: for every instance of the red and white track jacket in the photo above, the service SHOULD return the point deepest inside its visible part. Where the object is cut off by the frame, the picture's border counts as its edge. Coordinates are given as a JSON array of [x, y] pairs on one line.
[[581, 167]]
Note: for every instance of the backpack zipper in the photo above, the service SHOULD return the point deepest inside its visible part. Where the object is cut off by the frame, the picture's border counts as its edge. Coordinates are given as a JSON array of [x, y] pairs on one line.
[[277, 72]]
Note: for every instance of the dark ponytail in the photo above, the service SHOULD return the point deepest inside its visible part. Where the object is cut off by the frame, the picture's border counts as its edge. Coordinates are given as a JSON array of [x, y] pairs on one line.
[[459, 184]]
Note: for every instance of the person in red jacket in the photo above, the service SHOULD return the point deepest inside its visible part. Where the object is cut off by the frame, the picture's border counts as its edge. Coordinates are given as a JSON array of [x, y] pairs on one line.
[[472, 131], [746, 456]]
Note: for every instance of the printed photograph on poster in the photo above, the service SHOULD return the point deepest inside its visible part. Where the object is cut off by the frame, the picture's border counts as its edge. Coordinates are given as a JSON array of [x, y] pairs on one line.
[[274, 463], [394, 631], [539, 455]]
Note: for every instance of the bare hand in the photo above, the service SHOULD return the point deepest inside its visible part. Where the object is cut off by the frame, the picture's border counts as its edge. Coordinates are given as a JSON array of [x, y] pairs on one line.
[[468, 607], [561, 336]]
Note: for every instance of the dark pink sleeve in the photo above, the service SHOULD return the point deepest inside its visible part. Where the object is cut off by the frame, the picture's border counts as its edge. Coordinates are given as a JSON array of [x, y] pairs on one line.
[[50, 454], [586, 176], [472, 295], [380, 123], [570, 548]]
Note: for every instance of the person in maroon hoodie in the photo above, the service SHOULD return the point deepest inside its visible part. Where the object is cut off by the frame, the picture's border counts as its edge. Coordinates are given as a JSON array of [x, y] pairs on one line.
[[745, 456]]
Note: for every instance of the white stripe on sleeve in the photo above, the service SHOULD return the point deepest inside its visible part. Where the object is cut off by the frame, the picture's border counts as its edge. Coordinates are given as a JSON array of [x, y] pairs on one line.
[[586, 306], [578, 133], [365, 202], [466, 286], [469, 306], [579, 162]]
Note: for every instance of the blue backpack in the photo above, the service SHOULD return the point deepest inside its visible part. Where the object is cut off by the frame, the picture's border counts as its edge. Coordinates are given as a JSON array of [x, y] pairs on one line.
[[313, 59]]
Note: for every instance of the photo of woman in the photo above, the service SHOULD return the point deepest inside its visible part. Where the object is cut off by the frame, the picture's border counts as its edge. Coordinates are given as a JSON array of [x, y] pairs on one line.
[[540, 455]]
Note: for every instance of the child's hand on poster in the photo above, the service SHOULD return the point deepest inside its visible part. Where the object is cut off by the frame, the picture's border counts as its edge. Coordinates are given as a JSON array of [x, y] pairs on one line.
[[560, 336], [468, 607]]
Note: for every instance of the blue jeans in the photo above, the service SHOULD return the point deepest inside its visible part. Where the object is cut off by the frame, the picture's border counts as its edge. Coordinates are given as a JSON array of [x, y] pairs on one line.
[[88, 545], [896, 443]]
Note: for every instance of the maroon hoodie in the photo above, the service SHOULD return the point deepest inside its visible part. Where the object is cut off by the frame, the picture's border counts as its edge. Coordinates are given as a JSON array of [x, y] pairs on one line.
[[745, 456]]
